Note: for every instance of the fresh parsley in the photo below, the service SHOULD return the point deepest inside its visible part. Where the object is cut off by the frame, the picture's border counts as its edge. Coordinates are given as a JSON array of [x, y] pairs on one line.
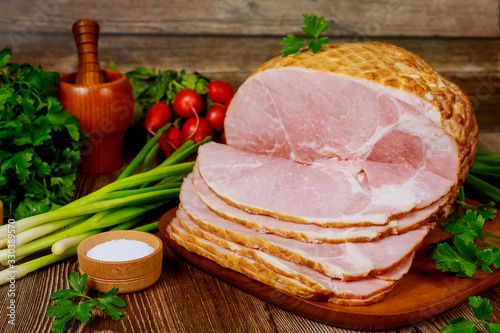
[[39, 142], [469, 249], [313, 27], [481, 309], [64, 309]]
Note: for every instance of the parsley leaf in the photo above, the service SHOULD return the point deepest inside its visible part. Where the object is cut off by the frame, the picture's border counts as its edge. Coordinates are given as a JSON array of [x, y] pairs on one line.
[[448, 259], [77, 282], [469, 249], [65, 309], [313, 27], [481, 309], [38, 141]]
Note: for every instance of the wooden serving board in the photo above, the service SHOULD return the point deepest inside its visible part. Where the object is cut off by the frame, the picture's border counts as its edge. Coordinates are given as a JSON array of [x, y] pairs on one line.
[[422, 293]]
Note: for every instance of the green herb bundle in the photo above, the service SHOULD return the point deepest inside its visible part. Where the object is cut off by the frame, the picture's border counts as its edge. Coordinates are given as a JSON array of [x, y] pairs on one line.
[[39, 142], [469, 249], [152, 86]]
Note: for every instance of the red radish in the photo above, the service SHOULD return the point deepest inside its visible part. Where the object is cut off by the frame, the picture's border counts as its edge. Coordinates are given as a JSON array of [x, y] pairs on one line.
[[158, 115], [215, 117], [226, 104], [171, 140], [220, 91], [187, 103], [223, 137], [196, 129]]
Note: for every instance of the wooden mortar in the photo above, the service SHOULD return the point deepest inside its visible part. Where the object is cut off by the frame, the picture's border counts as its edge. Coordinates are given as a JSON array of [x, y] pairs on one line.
[[103, 101]]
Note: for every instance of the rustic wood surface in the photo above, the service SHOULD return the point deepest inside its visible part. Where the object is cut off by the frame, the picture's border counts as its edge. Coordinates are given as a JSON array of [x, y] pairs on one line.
[[227, 40], [186, 299], [450, 18]]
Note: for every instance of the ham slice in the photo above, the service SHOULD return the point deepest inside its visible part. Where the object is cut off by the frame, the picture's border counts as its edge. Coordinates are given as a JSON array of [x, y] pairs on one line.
[[310, 233], [345, 261], [327, 193], [305, 281]]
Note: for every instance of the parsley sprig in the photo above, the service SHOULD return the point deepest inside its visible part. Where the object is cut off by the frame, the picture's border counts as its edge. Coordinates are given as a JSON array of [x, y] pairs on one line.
[[64, 309], [481, 309], [313, 27], [469, 249]]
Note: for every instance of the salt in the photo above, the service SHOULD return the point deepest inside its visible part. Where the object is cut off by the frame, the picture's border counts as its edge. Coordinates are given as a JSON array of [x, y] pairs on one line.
[[120, 250]]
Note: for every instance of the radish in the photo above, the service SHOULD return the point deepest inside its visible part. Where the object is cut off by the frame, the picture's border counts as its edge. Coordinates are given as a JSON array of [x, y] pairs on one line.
[[197, 129], [158, 115], [171, 140], [187, 103]]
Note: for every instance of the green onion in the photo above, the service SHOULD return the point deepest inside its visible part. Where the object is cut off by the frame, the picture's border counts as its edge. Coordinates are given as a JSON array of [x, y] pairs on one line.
[[148, 227], [150, 159], [126, 225], [143, 153], [131, 182], [483, 188], [32, 265], [129, 193], [187, 149], [63, 245], [28, 235], [488, 158], [117, 206], [92, 203]]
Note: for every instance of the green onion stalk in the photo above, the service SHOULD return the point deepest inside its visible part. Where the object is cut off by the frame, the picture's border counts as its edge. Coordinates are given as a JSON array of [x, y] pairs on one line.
[[484, 176], [99, 223], [139, 190], [99, 201]]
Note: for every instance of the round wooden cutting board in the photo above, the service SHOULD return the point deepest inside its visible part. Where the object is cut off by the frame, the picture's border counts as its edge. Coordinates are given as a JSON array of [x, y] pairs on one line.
[[422, 293]]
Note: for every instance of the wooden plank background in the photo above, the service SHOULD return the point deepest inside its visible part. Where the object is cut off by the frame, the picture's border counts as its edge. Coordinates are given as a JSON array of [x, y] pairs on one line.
[[227, 40]]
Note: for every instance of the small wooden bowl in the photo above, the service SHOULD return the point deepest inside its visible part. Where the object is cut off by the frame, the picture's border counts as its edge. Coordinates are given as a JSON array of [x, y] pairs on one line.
[[128, 276]]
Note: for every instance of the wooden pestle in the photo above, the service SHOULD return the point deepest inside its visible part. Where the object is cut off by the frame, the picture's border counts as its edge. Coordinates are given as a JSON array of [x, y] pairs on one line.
[[86, 34]]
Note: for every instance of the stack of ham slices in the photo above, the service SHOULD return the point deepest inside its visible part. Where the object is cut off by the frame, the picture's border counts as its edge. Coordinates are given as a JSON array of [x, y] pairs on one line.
[[336, 166]]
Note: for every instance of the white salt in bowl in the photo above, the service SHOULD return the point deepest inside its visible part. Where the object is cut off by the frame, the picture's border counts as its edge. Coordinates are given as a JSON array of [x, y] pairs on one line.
[[128, 276]]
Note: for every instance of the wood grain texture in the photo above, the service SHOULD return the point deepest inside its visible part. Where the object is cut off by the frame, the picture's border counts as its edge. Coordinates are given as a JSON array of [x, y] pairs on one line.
[[474, 64], [449, 18]]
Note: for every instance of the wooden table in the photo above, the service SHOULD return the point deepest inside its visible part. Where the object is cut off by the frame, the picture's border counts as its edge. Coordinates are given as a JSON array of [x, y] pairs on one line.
[[186, 299]]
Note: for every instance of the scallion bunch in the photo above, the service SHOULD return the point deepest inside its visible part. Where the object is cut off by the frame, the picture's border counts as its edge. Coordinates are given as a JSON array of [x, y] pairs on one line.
[[117, 206]]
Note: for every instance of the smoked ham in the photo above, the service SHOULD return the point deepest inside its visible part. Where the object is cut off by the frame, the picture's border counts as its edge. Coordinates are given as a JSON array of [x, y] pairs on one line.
[[337, 165], [285, 275], [344, 261]]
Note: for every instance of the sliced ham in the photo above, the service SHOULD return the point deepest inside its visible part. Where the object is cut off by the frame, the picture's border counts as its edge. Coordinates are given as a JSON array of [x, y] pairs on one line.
[[304, 280], [329, 193], [345, 261], [310, 233], [228, 259]]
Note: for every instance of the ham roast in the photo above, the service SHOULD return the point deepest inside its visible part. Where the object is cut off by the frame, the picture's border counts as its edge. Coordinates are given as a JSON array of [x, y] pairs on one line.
[[336, 166]]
